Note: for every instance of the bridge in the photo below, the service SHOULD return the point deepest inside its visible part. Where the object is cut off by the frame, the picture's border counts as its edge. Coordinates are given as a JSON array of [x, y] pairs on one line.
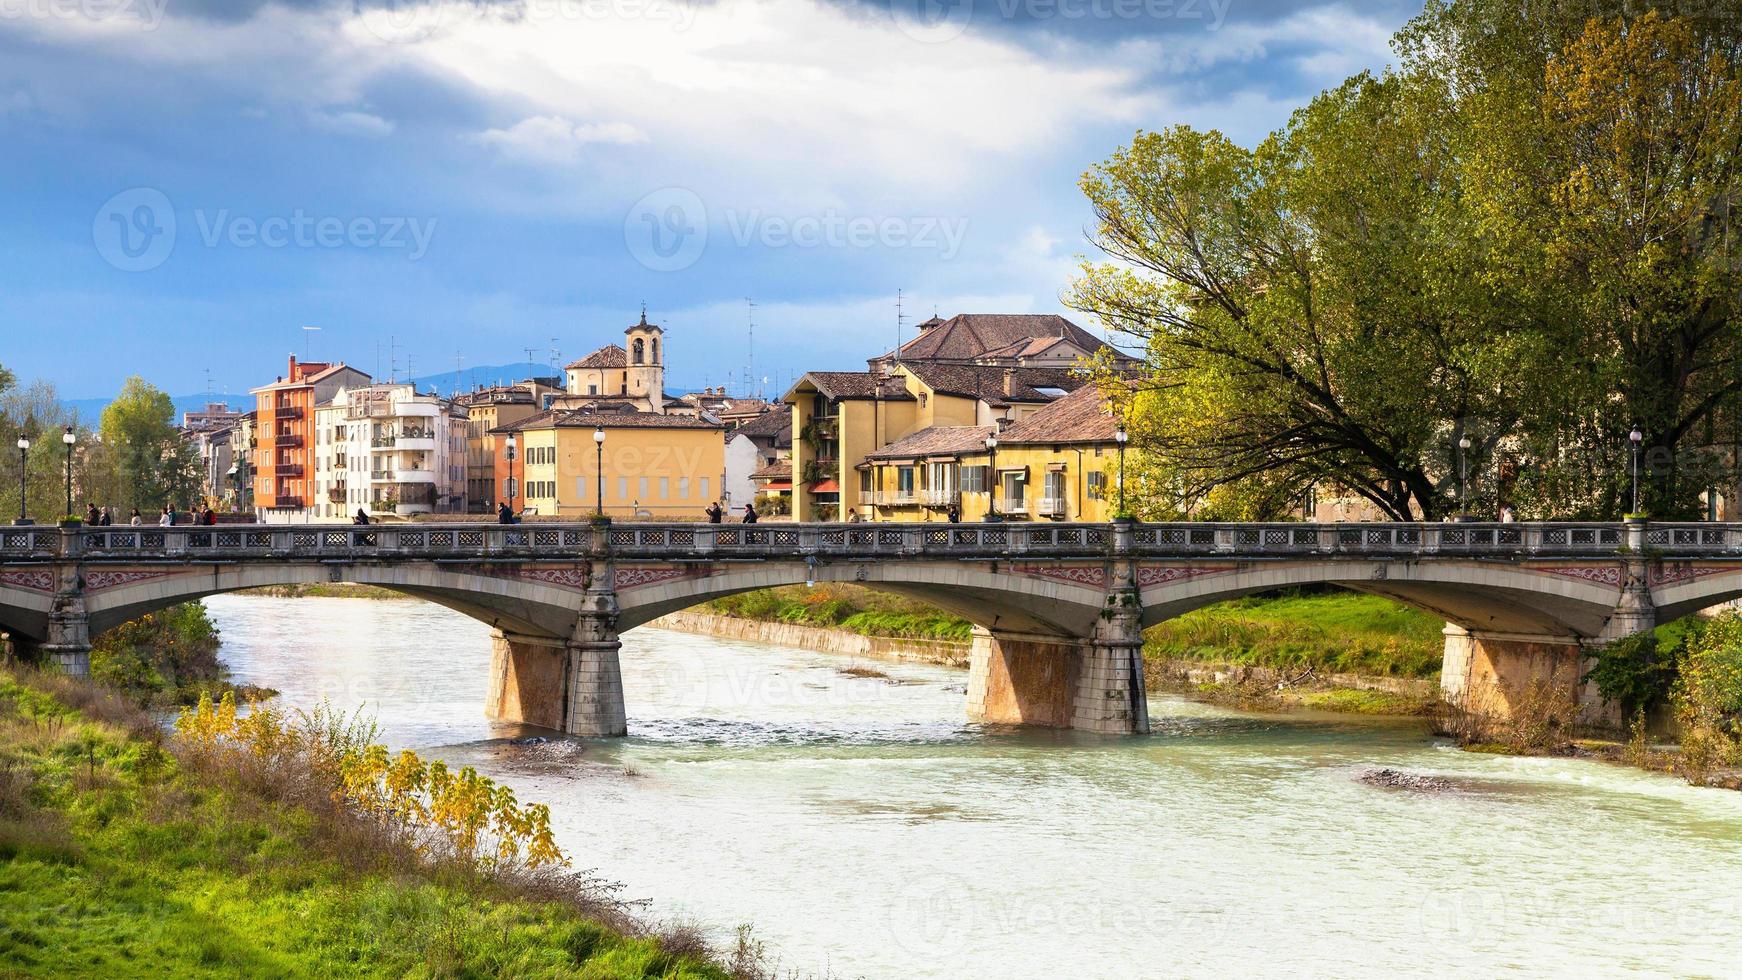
[[1059, 608]]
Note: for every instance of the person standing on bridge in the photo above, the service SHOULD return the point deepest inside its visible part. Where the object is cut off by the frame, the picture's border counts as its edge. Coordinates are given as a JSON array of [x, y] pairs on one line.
[[716, 513], [108, 517], [749, 513], [954, 514], [504, 514], [93, 516], [136, 519], [361, 518]]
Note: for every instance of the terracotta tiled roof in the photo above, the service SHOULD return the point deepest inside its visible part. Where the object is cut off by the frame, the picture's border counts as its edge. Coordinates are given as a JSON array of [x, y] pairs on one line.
[[987, 382], [777, 470], [774, 422], [566, 419], [967, 336], [937, 440], [854, 384], [1081, 416], [608, 356]]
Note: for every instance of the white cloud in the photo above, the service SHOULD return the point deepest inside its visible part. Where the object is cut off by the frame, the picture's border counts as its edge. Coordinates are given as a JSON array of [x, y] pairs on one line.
[[351, 122], [553, 139]]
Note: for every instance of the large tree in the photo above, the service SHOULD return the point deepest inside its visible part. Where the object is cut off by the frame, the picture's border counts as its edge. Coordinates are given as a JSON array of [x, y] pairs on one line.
[[154, 464], [1493, 241]]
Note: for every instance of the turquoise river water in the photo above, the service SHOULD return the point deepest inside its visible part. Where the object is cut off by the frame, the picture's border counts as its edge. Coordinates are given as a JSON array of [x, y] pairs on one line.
[[865, 829]]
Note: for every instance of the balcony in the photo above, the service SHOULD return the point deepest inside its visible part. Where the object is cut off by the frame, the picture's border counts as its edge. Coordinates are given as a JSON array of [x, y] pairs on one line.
[[283, 501], [1013, 505], [867, 498], [292, 470], [287, 440], [287, 412], [897, 498], [387, 441], [1052, 507], [381, 476], [336, 493], [942, 498]]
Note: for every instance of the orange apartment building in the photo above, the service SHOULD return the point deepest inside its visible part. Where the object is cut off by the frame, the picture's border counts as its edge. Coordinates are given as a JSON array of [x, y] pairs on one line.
[[284, 470]]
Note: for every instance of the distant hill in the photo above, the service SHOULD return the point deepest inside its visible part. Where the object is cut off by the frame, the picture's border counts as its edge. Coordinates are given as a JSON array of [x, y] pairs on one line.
[[445, 383]]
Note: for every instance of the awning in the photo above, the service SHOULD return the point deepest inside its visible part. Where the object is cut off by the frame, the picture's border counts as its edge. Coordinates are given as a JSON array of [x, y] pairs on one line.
[[826, 486], [778, 485]]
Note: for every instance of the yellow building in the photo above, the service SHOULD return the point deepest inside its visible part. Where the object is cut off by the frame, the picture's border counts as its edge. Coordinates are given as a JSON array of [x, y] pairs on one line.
[[841, 417], [658, 467], [486, 409], [1059, 463]]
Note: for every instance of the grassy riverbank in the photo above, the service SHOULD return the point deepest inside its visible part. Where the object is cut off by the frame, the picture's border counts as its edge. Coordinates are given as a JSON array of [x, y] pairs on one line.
[[127, 852], [846, 607]]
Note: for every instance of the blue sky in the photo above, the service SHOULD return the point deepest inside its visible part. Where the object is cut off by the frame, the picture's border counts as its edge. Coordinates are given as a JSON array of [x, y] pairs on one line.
[[191, 182]]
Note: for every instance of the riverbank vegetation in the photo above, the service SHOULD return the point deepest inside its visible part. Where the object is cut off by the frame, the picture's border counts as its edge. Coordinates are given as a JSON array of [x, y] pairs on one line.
[[266, 844], [1317, 630], [165, 658], [851, 608], [325, 590]]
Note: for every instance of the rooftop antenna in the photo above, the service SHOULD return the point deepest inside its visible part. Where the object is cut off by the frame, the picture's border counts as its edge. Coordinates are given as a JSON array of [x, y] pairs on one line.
[[529, 351], [392, 358], [308, 347], [900, 318], [750, 347], [555, 358]]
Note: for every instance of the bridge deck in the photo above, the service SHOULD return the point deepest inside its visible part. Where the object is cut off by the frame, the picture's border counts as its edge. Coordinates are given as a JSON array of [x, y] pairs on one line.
[[236, 542]]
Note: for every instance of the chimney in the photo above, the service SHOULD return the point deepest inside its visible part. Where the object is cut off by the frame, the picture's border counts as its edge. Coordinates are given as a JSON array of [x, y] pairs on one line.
[[1009, 381]]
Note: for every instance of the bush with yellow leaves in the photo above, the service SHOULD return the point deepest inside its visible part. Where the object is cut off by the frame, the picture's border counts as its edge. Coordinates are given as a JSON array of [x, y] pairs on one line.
[[437, 811]]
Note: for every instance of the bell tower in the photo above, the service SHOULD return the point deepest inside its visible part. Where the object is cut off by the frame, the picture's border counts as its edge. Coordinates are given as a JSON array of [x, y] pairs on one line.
[[646, 373]]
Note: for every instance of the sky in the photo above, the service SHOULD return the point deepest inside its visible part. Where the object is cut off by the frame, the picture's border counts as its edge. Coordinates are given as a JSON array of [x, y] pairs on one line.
[[189, 184]]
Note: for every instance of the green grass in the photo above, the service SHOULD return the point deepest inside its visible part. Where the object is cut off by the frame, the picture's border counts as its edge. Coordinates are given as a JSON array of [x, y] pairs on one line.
[[116, 862], [846, 607], [1341, 632]]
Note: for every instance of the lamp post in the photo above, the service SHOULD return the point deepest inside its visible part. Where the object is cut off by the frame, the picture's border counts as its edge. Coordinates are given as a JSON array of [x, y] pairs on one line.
[[1635, 437], [1463, 474], [599, 467], [992, 478], [1120, 436], [510, 487], [23, 455], [68, 438]]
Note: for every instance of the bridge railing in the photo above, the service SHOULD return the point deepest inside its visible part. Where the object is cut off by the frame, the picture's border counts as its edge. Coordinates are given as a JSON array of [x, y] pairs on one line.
[[1017, 539]]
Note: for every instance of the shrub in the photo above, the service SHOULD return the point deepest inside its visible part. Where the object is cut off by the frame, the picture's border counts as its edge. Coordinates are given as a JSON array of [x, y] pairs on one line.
[[159, 653], [1633, 673], [1707, 697]]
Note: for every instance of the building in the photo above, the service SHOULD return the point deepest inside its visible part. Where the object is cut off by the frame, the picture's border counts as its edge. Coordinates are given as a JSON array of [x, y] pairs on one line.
[[714, 401], [213, 444], [751, 448], [389, 451], [1003, 340], [840, 417], [239, 478], [486, 409], [1059, 463], [655, 465], [631, 376], [284, 484], [773, 485], [216, 415]]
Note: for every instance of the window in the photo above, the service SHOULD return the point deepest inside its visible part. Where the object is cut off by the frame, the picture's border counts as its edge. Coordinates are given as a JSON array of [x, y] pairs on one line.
[[974, 479], [1097, 486], [665, 488], [641, 489], [640, 350], [656, 356], [683, 488], [904, 481], [703, 482], [1055, 492], [592, 389], [622, 488]]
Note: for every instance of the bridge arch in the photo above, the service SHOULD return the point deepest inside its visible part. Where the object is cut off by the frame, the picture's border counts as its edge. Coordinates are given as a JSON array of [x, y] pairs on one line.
[[1478, 596], [506, 601], [994, 599]]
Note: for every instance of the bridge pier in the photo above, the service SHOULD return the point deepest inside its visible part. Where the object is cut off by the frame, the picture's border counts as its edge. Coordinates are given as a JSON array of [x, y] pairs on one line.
[[573, 685], [69, 627], [1091, 685]]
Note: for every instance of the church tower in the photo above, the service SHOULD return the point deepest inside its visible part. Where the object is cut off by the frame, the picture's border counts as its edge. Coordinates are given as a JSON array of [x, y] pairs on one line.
[[646, 373]]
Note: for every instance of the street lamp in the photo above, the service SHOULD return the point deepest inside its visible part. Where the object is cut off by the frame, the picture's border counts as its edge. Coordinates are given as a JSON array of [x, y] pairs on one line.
[[1120, 436], [599, 465], [992, 478], [510, 487], [68, 438], [1463, 473], [23, 453], [1635, 437]]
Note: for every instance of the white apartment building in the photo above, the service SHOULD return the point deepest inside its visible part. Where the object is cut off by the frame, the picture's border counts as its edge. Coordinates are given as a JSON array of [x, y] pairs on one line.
[[389, 451]]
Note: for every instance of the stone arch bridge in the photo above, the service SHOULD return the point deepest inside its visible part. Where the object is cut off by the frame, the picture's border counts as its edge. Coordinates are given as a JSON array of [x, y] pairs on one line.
[[1059, 608]]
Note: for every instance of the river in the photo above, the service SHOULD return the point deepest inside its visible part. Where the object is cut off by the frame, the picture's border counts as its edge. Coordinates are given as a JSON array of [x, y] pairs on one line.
[[865, 829]]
